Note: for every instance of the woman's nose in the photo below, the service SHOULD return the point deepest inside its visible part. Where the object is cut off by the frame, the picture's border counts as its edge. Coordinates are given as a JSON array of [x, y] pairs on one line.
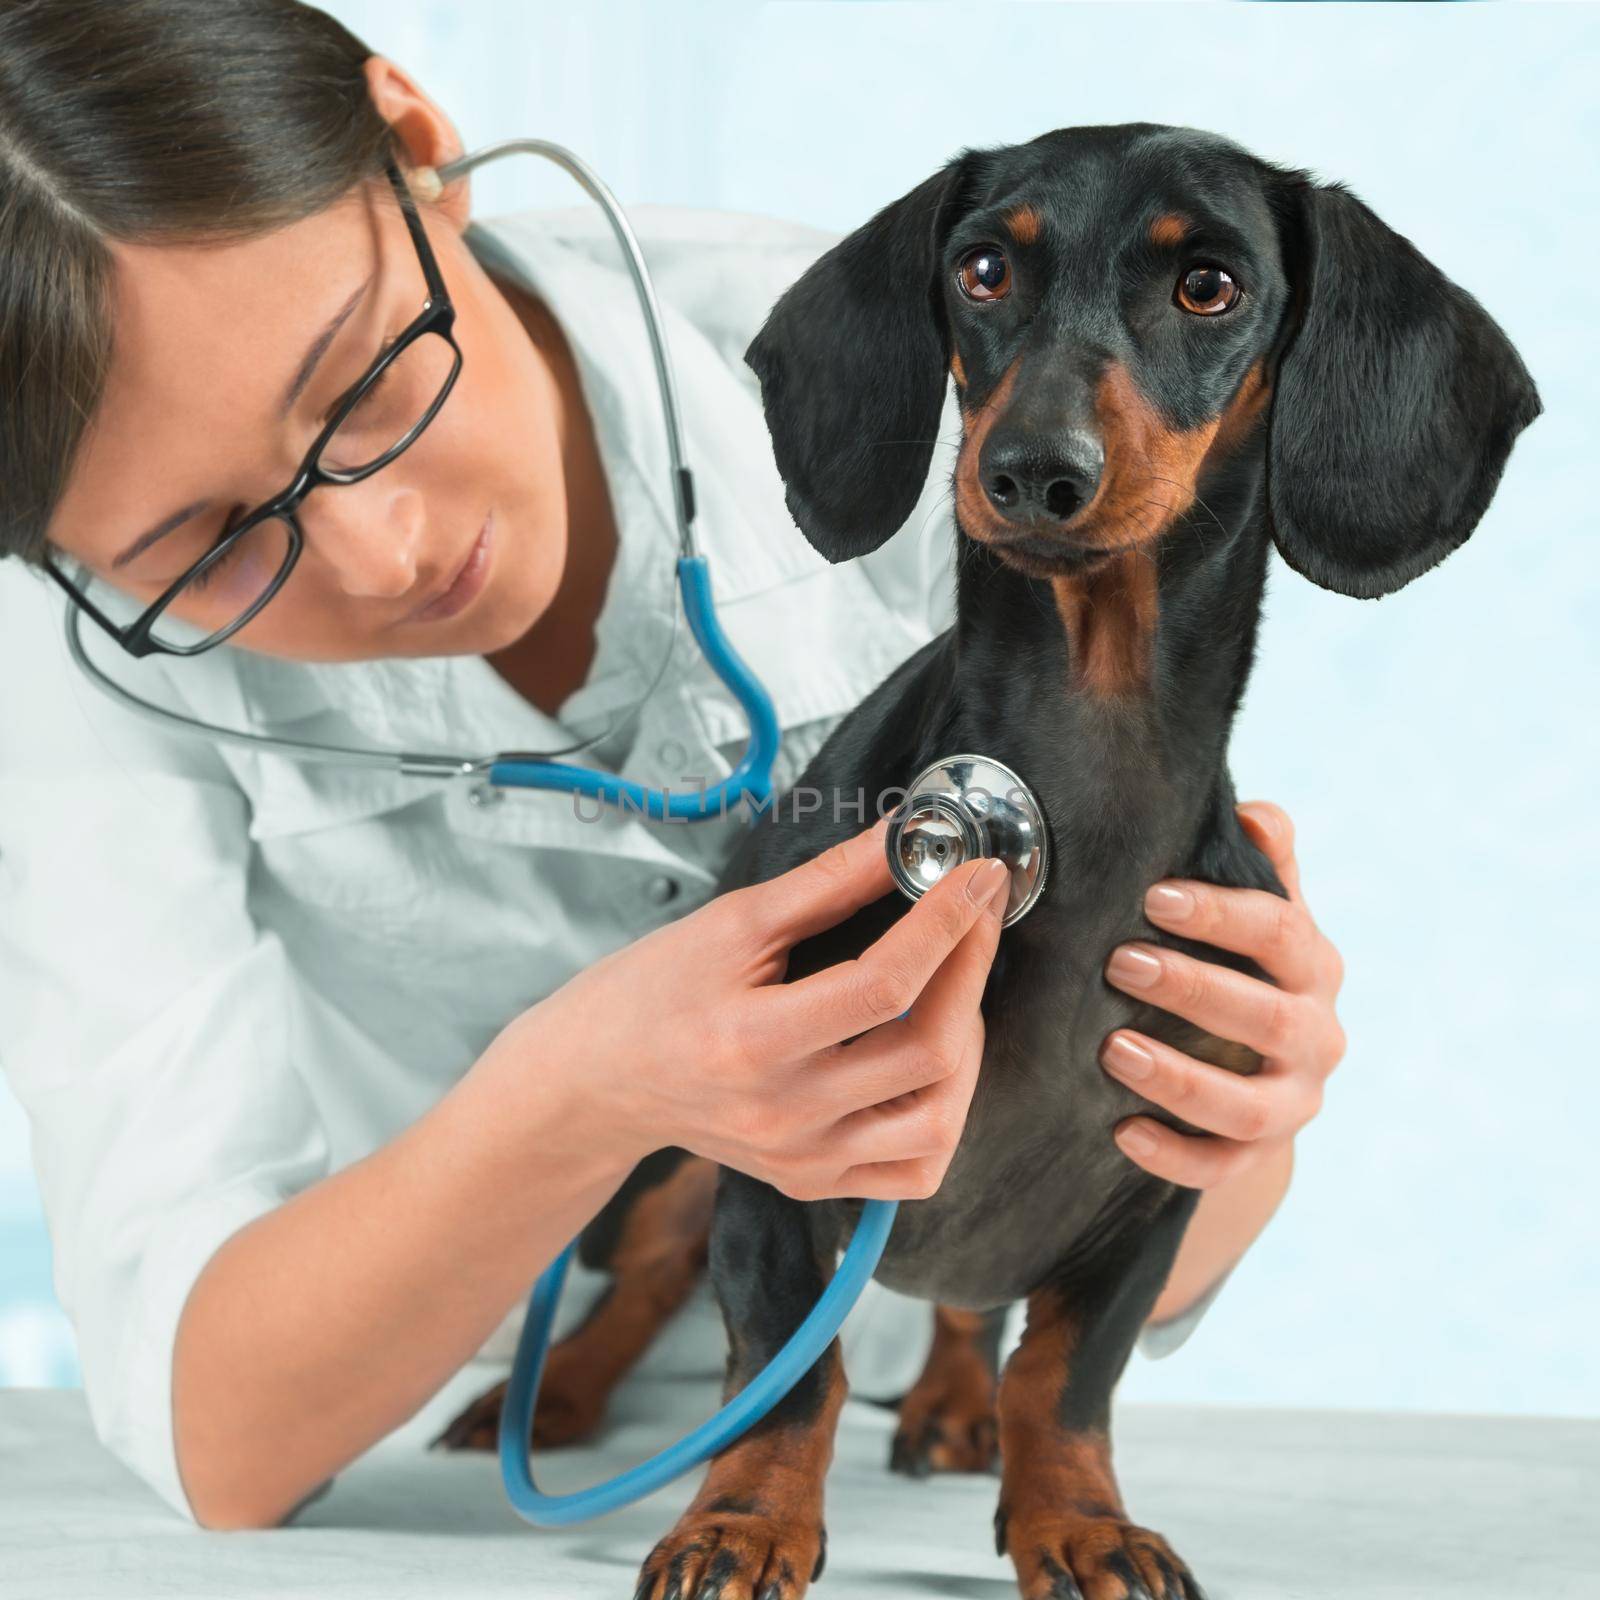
[[369, 534]]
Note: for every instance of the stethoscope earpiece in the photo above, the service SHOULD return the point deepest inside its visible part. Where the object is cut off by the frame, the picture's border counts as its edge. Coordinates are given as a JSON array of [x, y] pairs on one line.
[[963, 807], [425, 182]]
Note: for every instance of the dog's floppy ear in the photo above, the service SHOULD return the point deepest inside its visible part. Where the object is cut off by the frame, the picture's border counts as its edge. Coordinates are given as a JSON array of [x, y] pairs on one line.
[[853, 362], [1396, 404]]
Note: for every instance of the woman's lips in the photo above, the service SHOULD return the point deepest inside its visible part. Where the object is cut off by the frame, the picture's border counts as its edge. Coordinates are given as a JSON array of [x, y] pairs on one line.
[[467, 584]]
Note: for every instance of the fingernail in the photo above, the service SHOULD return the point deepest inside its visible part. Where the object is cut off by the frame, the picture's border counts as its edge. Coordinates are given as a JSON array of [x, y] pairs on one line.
[[1128, 1060], [1136, 1139], [1265, 820], [1000, 895], [1169, 901], [1132, 967], [987, 881]]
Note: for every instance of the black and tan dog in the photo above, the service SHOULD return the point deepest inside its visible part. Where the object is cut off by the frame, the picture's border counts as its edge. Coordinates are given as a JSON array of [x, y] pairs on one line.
[[1168, 355]]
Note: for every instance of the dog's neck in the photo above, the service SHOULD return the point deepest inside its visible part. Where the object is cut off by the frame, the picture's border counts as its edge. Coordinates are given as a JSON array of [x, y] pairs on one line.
[[1115, 690]]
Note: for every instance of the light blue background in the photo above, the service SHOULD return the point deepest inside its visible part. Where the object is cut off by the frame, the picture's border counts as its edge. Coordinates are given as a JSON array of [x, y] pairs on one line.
[[1436, 750]]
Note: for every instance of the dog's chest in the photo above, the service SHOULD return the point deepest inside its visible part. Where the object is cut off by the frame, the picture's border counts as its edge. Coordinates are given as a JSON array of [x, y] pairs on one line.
[[1037, 1165]]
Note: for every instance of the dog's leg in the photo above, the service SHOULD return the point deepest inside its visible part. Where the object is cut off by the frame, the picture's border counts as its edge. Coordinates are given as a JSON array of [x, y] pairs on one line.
[[755, 1528], [656, 1259], [1061, 1515], [947, 1421]]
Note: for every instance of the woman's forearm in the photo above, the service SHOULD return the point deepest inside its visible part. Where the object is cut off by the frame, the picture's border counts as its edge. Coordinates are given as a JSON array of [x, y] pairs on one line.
[[322, 1326], [1225, 1224]]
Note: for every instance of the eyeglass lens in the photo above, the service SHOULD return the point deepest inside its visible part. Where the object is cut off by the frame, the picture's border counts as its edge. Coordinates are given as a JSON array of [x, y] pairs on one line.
[[386, 418], [393, 408]]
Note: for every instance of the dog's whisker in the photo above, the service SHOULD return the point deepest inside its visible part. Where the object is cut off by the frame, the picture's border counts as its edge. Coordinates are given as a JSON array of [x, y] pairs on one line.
[[1172, 511], [1197, 500]]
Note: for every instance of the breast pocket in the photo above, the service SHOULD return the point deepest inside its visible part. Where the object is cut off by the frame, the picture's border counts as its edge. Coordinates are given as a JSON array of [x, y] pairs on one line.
[[402, 902], [394, 860]]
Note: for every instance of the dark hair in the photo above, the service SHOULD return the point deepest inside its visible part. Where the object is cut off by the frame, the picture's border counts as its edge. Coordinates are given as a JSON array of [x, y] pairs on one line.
[[147, 121]]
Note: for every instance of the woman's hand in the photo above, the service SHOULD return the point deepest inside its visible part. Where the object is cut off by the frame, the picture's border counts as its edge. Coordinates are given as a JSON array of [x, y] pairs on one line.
[[1290, 1022], [691, 1038]]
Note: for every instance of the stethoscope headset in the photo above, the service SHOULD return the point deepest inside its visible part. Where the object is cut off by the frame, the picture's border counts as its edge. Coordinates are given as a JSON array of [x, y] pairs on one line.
[[957, 809]]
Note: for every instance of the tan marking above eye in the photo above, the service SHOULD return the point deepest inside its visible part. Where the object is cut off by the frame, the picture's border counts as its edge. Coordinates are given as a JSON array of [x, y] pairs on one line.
[[1167, 232], [984, 274], [1206, 291], [1024, 223]]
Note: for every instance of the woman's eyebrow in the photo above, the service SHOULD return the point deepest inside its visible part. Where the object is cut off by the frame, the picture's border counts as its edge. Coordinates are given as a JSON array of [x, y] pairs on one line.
[[317, 349], [160, 531]]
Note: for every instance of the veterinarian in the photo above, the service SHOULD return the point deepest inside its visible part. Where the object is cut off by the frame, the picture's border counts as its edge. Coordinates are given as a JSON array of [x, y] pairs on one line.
[[323, 1066]]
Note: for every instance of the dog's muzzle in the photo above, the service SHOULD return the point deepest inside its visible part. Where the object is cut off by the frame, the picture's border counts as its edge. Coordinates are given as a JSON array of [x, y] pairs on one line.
[[963, 807]]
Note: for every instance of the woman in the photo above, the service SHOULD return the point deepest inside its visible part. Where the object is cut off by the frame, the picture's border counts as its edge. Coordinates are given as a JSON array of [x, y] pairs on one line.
[[324, 1065]]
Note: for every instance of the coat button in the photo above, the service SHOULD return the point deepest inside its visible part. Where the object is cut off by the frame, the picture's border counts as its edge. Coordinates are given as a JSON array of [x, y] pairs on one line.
[[662, 890]]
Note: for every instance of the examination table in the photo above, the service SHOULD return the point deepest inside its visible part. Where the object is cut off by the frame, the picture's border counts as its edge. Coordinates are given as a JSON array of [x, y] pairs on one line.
[[1266, 1505]]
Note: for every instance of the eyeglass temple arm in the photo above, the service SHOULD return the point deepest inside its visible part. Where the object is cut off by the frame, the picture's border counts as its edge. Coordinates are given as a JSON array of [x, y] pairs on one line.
[[682, 478], [430, 268]]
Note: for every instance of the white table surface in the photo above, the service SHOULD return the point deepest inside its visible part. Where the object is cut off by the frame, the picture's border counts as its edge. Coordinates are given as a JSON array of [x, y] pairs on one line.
[[1265, 1505]]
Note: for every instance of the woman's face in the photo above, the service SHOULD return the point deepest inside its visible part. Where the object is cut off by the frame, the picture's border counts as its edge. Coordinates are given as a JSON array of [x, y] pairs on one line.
[[194, 430]]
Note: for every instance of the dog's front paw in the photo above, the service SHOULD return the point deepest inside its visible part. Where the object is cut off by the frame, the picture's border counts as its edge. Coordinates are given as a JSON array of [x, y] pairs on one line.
[[947, 1420], [945, 1428], [478, 1426], [572, 1401], [568, 1411], [1068, 1557], [730, 1548]]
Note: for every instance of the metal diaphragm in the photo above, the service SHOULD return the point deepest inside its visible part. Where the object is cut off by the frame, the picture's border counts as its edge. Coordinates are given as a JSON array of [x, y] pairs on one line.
[[963, 807]]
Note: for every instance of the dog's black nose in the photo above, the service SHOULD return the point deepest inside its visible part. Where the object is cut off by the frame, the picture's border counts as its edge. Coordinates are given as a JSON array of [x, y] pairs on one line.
[[1029, 479]]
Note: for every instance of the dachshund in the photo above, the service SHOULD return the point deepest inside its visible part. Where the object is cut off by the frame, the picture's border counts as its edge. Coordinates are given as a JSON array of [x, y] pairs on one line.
[[1169, 356]]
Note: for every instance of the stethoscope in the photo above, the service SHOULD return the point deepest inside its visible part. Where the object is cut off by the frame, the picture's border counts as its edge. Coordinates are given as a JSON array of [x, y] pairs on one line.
[[957, 809]]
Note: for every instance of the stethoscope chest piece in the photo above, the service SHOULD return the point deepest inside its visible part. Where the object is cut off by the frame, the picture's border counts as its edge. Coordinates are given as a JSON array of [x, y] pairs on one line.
[[963, 807]]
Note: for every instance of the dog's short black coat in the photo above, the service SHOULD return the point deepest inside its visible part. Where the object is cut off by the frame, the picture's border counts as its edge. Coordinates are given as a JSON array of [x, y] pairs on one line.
[[1132, 445]]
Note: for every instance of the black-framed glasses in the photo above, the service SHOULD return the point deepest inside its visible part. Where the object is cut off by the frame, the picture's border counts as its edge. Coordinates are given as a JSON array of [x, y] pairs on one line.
[[384, 412]]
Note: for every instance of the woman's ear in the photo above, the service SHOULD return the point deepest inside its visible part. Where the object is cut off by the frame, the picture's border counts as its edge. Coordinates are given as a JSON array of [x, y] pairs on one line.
[[1396, 404], [425, 133], [853, 361]]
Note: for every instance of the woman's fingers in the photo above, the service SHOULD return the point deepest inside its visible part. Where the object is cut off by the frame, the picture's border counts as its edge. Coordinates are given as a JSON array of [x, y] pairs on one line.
[[1272, 832], [1224, 1002], [883, 1180], [1276, 933], [1195, 1161], [923, 1121], [941, 1015], [816, 1012], [888, 1062], [901, 1151], [1211, 1098], [924, 1046], [824, 890]]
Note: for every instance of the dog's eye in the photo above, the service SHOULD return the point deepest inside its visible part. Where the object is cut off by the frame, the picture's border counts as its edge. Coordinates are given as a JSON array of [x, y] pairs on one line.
[[984, 274], [1206, 291]]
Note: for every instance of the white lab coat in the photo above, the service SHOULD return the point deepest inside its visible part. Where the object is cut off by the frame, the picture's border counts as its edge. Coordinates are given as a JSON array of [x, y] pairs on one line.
[[225, 975]]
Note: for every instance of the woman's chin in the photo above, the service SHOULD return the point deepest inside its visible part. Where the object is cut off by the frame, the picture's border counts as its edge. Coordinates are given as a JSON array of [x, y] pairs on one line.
[[500, 618]]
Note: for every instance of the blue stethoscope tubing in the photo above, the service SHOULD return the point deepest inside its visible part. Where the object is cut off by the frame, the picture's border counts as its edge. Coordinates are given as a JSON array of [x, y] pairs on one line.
[[751, 778], [806, 1344]]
